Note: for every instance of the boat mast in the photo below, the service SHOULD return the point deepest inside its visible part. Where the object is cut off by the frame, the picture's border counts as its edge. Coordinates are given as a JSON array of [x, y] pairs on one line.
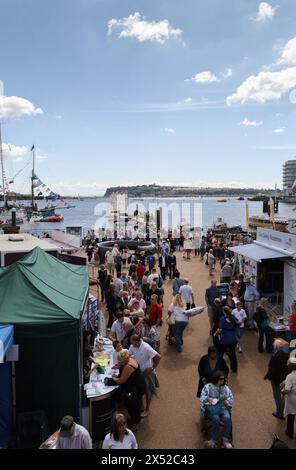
[[2, 169], [33, 176]]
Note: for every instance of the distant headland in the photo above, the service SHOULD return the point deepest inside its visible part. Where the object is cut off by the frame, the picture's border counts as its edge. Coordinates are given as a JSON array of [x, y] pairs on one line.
[[157, 191]]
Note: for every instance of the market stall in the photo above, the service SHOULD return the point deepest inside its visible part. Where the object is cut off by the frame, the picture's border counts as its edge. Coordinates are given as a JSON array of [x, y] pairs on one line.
[[44, 299], [266, 261]]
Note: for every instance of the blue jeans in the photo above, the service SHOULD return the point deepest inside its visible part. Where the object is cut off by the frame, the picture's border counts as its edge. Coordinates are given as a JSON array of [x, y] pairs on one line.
[[178, 329], [226, 420]]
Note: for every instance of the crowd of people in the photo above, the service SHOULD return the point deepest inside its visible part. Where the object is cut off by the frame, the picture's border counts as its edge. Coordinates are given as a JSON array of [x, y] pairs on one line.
[[132, 289]]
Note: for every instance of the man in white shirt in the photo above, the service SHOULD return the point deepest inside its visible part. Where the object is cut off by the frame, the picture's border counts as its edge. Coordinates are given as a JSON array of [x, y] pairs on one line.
[[148, 359], [186, 292], [153, 277], [240, 314], [73, 436], [118, 331], [109, 259]]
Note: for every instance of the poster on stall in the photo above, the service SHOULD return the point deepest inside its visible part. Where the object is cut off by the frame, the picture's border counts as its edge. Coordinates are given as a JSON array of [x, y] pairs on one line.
[[289, 285]]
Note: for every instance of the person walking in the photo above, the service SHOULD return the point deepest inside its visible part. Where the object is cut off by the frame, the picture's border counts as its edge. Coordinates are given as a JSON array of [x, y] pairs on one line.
[[228, 331], [211, 262], [289, 392], [187, 294], [250, 298], [172, 264], [179, 317], [277, 373], [177, 283], [262, 320], [211, 294], [102, 278]]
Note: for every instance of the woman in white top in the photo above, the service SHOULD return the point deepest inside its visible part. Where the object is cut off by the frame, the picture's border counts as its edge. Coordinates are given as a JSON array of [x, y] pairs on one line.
[[120, 437], [289, 392], [181, 317]]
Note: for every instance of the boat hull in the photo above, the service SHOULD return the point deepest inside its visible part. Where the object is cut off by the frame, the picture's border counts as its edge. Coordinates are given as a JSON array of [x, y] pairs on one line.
[[278, 226]]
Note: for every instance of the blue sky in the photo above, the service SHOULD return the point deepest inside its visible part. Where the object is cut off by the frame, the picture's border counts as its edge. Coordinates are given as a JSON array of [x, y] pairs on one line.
[[141, 91]]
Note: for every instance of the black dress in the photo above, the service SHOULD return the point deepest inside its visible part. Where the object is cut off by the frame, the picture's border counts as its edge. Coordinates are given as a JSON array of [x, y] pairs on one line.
[[132, 391], [205, 371]]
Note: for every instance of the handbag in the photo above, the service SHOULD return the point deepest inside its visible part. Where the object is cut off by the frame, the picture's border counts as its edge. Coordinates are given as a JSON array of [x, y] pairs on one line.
[[216, 409], [171, 319]]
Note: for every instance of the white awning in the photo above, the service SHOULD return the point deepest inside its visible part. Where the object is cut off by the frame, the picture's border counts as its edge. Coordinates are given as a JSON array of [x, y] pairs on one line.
[[257, 252]]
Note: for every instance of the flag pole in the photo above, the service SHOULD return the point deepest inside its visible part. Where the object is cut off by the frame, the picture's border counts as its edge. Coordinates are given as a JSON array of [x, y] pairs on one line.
[[33, 175]]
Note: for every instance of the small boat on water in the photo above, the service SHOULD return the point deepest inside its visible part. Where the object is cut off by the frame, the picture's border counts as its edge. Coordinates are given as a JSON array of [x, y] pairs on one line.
[[222, 200], [220, 226], [280, 225], [53, 218]]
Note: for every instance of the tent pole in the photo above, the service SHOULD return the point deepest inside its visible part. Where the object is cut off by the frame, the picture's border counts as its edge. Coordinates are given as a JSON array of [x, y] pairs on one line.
[[13, 394]]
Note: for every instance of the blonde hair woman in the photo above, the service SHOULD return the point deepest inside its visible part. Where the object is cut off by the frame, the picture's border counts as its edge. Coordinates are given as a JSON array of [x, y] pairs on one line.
[[132, 385], [181, 318]]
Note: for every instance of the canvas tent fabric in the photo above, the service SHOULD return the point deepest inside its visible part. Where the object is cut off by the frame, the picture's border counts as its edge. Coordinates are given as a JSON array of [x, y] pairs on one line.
[[257, 252], [43, 298], [6, 340], [44, 289]]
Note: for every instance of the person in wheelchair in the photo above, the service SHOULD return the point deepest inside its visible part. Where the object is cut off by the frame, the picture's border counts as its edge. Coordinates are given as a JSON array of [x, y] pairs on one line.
[[216, 405]]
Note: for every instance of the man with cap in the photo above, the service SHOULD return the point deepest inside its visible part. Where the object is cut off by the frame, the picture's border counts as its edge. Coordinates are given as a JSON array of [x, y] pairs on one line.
[[250, 298], [73, 436]]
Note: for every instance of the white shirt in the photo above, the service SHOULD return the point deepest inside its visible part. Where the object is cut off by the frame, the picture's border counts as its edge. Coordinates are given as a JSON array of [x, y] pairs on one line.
[[129, 442], [109, 257], [117, 328], [143, 355], [186, 292], [240, 315], [211, 258], [179, 313], [152, 277]]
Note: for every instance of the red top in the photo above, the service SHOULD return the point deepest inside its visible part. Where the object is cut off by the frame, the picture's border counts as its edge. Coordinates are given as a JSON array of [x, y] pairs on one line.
[[293, 321], [155, 314], [140, 271]]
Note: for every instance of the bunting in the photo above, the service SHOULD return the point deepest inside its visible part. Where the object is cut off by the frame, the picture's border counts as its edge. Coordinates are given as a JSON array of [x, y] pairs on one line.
[[42, 190]]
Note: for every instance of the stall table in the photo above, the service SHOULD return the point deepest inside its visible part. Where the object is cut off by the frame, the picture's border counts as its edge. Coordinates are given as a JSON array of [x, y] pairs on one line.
[[101, 398]]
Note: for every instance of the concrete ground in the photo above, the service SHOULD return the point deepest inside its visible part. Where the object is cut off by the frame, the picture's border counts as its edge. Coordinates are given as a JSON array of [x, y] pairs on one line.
[[174, 419]]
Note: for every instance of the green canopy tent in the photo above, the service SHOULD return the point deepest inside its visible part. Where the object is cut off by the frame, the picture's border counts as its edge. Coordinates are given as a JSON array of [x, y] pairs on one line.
[[44, 299]]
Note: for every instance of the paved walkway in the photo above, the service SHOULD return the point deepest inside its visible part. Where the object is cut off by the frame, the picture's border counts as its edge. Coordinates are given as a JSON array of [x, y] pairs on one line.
[[174, 419]]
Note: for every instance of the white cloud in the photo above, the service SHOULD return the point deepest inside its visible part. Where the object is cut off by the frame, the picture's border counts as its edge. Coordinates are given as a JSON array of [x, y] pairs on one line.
[[227, 74], [14, 151], [266, 86], [169, 130], [279, 130], [16, 107], [288, 54], [59, 116], [274, 147], [246, 122], [209, 77], [265, 12], [135, 26], [41, 157], [205, 77], [188, 100]]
